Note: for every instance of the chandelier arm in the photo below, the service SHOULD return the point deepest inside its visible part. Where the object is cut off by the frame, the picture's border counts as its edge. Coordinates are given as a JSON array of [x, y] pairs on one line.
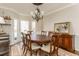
[[37, 14]]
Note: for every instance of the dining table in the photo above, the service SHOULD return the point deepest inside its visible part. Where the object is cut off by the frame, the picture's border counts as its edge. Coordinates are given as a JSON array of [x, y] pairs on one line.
[[40, 39]]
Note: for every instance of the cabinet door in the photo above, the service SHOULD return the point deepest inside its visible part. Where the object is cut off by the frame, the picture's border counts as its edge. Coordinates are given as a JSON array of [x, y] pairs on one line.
[[60, 42], [67, 42]]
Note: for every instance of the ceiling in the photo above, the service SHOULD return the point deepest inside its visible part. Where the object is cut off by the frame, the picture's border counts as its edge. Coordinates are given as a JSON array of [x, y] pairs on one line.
[[26, 8]]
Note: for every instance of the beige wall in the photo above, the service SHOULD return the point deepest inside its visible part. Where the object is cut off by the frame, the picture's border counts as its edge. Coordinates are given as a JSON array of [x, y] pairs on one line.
[[10, 28], [70, 14]]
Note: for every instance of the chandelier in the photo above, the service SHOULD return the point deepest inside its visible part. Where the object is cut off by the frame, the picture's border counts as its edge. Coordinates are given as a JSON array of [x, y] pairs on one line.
[[37, 14]]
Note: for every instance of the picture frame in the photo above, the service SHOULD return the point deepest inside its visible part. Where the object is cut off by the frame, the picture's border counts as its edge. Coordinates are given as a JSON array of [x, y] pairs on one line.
[[63, 27]]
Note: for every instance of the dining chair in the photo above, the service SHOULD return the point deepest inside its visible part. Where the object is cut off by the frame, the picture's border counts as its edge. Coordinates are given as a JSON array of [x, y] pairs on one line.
[[32, 47], [24, 46], [50, 33], [43, 32], [29, 32], [52, 47]]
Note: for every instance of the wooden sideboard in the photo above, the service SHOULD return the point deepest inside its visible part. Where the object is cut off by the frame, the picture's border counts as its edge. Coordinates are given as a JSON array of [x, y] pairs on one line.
[[66, 42]]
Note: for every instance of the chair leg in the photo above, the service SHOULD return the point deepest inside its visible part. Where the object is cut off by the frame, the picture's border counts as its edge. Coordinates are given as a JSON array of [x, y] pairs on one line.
[[40, 52], [23, 50], [26, 52], [30, 53], [36, 52], [57, 53]]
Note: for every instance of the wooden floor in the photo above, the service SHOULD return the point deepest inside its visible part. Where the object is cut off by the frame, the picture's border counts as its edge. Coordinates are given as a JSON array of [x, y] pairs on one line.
[[16, 50]]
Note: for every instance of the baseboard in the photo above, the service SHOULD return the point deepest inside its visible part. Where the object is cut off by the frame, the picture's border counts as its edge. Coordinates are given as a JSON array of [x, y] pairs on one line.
[[76, 52], [15, 43]]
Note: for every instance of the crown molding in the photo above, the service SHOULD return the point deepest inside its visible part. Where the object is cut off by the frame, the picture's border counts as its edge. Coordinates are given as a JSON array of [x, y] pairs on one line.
[[51, 12], [59, 9], [10, 9]]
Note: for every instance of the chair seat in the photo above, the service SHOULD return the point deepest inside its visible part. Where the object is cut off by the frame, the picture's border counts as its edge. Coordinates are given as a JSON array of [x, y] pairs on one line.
[[35, 46], [46, 48]]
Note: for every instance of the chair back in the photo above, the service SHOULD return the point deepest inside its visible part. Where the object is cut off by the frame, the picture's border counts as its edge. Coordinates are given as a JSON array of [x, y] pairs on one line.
[[54, 44], [23, 39], [28, 39], [43, 33], [29, 32], [50, 33]]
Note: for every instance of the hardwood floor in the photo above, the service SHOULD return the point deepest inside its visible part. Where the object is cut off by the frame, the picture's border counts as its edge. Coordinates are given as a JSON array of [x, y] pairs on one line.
[[16, 50]]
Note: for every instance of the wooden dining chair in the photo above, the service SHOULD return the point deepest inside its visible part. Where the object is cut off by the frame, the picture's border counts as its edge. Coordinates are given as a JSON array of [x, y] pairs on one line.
[[50, 33], [43, 32], [25, 43], [52, 48], [29, 32], [32, 47]]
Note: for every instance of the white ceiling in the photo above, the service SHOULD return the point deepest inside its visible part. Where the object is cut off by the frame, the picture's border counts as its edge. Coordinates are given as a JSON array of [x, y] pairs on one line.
[[27, 8]]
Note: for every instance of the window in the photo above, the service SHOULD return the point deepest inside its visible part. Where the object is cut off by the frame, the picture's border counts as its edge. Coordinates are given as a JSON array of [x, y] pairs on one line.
[[24, 26], [2, 20], [15, 28], [33, 26]]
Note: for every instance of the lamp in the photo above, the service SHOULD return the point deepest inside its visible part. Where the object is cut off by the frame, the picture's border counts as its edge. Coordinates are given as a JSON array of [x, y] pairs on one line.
[[37, 14]]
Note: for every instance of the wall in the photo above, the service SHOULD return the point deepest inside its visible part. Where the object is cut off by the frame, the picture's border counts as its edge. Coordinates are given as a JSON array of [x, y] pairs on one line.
[[70, 14], [39, 26], [9, 29]]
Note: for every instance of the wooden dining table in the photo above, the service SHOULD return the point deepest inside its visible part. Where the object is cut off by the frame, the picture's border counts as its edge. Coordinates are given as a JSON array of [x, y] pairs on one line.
[[40, 39]]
